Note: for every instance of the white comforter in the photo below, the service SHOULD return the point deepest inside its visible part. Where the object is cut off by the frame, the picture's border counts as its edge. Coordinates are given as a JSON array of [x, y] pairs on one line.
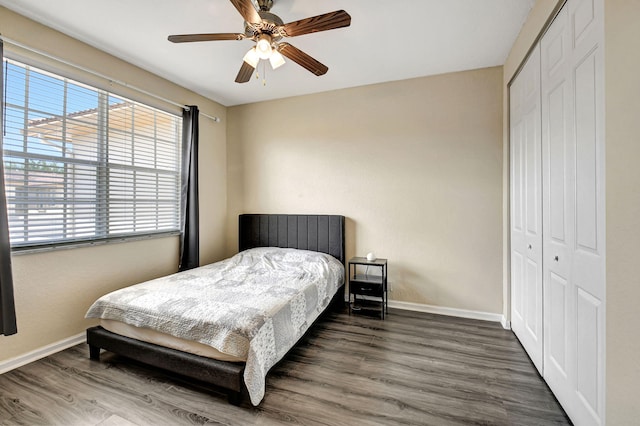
[[254, 305]]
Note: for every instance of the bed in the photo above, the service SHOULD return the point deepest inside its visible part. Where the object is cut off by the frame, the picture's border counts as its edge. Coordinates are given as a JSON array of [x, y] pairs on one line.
[[266, 243]]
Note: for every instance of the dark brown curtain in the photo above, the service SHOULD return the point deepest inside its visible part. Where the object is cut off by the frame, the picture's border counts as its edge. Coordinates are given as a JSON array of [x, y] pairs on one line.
[[190, 221], [7, 306]]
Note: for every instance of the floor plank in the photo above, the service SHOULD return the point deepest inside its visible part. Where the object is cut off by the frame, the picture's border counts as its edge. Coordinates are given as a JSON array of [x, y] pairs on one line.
[[410, 369]]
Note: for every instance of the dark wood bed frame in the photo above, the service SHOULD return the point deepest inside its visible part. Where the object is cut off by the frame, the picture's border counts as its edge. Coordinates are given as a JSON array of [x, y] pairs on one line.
[[322, 233]]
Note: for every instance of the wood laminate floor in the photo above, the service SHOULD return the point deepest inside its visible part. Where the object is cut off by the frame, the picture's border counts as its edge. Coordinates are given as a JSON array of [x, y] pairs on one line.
[[410, 369]]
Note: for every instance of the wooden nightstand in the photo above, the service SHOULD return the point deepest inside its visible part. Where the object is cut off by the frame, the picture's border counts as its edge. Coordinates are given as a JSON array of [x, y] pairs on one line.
[[362, 282]]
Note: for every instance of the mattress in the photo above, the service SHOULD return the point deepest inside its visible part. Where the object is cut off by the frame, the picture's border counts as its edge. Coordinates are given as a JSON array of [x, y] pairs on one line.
[[168, 341], [253, 306]]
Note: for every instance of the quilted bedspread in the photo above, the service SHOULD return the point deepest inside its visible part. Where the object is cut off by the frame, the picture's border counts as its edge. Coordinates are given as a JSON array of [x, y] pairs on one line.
[[254, 305]]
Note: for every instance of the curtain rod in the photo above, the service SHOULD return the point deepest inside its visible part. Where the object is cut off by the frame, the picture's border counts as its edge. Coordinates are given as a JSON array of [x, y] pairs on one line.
[[103, 76]]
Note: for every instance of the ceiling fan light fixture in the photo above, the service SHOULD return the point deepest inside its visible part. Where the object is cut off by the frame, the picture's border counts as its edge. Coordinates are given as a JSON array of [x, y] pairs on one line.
[[263, 46], [276, 59], [266, 30], [252, 57]]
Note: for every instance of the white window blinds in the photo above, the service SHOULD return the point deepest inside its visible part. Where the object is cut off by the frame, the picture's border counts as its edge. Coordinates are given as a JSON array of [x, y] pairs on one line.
[[84, 164]]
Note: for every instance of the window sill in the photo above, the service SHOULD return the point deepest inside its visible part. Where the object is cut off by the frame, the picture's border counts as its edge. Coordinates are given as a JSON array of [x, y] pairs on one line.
[[18, 251]]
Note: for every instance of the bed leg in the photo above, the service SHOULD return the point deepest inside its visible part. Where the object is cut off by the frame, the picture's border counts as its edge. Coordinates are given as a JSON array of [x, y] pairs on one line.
[[234, 398], [338, 304], [94, 352]]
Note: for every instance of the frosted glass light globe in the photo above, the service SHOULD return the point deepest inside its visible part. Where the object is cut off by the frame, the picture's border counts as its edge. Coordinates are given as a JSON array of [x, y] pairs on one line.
[[263, 47]]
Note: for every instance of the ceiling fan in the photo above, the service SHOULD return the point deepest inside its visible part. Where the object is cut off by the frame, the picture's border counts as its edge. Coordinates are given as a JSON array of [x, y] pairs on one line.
[[267, 29]]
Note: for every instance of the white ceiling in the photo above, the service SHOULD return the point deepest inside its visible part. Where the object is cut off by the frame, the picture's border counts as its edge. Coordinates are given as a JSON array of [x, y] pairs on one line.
[[387, 40]]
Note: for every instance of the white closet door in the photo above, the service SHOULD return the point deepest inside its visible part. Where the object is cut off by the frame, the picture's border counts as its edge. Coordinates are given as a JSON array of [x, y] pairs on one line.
[[558, 153], [526, 209], [573, 218]]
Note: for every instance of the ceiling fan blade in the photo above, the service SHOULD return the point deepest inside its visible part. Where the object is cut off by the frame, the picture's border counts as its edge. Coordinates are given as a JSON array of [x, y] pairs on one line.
[[302, 59], [186, 38], [245, 73], [248, 12], [327, 21]]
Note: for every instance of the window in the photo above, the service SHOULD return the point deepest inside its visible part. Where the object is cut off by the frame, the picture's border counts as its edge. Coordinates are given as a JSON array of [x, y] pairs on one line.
[[83, 164]]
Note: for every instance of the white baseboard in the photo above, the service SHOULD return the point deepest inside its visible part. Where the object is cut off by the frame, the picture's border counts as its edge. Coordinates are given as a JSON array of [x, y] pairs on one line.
[[505, 324], [40, 353], [453, 312]]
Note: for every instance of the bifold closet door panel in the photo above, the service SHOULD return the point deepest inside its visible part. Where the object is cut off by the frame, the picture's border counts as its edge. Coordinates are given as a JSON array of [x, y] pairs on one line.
[[558, 153], [573, 209], [526, 209]]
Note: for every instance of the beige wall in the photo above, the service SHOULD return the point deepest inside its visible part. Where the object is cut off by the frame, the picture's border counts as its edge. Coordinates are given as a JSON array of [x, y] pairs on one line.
[[622, 113], [54, 289], [415, 166]]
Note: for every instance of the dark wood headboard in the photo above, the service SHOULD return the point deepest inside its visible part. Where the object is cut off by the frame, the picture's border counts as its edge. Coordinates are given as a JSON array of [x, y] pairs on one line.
[[322, 233]]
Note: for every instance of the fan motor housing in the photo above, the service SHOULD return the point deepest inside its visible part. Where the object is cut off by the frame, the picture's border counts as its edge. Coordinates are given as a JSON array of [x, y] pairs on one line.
[[269, 25]]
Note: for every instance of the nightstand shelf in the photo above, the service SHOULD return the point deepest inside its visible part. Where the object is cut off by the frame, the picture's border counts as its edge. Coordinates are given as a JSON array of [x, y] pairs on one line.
[[368, 290]]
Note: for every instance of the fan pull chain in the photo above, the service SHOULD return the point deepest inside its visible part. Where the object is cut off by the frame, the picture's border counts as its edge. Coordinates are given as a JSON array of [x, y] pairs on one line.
[[264, 73]]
